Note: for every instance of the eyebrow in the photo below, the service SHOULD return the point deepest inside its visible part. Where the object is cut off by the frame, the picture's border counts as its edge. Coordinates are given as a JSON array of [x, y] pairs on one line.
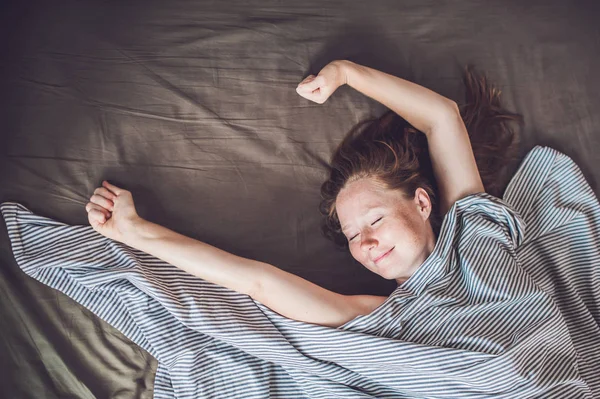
[[368, 212]]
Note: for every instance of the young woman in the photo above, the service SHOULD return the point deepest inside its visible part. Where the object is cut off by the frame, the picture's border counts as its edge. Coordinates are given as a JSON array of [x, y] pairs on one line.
[[381, 200]]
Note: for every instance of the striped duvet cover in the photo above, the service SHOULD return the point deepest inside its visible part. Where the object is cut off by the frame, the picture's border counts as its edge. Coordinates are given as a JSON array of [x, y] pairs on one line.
[[506, 306]]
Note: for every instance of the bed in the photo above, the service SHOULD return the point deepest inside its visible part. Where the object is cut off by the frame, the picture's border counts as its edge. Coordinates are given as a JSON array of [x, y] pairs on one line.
[[192, 107]]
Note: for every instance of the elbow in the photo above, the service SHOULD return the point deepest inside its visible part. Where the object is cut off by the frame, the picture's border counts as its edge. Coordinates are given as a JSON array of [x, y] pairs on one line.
[[447, 113], [453, 106], [255, 287], [449, 110], [260, 278]]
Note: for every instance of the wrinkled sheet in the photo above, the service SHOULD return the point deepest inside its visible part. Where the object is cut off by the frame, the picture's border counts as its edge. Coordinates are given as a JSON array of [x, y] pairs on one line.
[[191, 106], [505, 306]]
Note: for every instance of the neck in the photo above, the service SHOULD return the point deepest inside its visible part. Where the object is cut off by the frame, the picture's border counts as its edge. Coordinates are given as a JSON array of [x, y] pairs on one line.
[[427, 250]]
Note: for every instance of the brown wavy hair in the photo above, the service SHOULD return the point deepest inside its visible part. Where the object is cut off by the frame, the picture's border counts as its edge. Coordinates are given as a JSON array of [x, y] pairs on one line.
[[393, 153]]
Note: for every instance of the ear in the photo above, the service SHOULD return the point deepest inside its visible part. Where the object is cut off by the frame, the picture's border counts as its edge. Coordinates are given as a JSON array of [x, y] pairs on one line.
[[423, 203]]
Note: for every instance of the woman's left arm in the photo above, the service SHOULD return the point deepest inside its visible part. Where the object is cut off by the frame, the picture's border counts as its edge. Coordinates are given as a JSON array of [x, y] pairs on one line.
[[433, 114], [437, 117]]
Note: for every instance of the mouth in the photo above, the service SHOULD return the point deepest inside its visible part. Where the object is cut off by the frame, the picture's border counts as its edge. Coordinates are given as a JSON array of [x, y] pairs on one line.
[[384, 255]]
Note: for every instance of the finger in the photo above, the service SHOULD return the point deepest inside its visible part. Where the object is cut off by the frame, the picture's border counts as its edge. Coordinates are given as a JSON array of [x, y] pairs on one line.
[[103, 191], [116, 190], [91, 206], [307, 79], [306, 88], [314, 84], [308, 95], [305, 94], [305, 82], [96, 217], [102, 201], [314, 97]]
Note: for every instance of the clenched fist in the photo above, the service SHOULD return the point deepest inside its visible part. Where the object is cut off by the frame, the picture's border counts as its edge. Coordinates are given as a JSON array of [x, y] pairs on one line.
[[319, 88], [111, 212]]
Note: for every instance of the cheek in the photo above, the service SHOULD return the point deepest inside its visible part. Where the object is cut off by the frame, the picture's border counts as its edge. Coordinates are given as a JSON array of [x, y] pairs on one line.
[[404, 234], [359, 256], [355, 252]]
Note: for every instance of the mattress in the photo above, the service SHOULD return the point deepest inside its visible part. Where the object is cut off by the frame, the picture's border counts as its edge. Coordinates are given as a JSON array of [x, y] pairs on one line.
[[192, 107]]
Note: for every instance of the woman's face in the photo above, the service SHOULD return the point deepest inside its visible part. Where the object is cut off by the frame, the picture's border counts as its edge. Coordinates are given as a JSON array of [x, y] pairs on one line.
[[378, 221]]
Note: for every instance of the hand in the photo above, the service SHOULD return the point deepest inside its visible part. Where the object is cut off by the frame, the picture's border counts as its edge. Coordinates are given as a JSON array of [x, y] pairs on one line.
[[319, 88], [111, 212]]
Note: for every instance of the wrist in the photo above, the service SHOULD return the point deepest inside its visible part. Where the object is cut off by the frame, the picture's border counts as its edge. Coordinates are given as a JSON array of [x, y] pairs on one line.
[[343, 66], [346, 68], [136, 230]]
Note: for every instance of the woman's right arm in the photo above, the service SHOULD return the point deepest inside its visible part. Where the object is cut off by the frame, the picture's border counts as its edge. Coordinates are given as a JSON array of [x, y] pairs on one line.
[[196, 257], [112, 213], [282, 292]]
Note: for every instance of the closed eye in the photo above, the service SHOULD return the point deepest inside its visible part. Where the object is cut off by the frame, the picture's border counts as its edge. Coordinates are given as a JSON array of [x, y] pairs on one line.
[[371, 225]]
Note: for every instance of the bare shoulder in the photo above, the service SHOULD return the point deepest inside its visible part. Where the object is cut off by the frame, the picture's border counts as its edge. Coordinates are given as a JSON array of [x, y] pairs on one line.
[[365, 304]]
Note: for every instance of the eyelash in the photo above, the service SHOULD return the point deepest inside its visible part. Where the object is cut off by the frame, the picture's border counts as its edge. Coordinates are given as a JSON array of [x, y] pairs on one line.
[[371, 225]]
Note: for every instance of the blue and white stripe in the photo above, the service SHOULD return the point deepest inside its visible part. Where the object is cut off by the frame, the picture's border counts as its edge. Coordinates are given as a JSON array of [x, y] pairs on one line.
[[506, 306]]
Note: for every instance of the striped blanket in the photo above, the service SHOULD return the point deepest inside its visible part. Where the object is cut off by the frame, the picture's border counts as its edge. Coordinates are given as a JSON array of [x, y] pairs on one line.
[[506, 306]]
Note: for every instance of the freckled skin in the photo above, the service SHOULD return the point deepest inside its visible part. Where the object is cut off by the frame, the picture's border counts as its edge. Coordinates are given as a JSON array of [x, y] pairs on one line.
[[405, 227]]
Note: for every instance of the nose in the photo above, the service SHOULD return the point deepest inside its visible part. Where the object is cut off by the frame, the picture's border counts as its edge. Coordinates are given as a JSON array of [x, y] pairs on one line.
[[368, 242]]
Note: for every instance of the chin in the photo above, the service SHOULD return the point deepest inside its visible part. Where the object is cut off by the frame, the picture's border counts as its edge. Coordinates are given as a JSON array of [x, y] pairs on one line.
[[386, 274], [391, 273]]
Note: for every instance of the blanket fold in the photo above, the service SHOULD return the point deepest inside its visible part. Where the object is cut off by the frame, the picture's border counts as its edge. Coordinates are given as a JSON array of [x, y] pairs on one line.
[[507, 305]]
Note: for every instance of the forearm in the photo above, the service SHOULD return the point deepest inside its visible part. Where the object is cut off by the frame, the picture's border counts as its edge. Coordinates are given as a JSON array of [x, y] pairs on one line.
[[197, 258], [421, 107], [437, 117]]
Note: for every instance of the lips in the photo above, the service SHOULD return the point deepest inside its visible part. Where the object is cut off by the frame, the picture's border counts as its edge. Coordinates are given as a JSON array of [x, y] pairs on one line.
[[383, 256]]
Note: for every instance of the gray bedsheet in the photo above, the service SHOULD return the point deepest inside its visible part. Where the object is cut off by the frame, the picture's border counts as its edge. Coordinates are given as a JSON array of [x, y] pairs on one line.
[[192, 107]]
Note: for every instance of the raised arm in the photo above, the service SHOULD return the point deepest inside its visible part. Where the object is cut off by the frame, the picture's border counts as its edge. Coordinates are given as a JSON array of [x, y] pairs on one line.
[[111, 212], [435, 115]]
